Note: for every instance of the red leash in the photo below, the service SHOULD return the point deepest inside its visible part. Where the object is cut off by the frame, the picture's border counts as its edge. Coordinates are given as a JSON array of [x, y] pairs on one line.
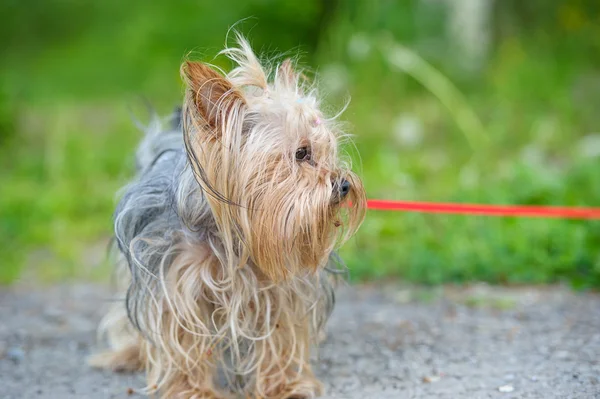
[[486, 210]]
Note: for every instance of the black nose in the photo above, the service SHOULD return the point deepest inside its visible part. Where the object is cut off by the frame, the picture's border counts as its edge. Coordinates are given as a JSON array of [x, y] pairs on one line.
[[344, 188]]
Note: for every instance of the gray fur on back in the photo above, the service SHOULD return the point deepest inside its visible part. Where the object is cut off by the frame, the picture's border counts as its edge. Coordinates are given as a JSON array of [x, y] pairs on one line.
[[148, 211]]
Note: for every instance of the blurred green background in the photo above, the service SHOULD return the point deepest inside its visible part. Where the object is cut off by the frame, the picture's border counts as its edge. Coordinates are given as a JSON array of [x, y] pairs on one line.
[[468, 101]]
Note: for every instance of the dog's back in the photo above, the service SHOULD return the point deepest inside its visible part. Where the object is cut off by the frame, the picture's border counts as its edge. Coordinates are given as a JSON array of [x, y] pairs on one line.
[[159, 139], [147, 210]]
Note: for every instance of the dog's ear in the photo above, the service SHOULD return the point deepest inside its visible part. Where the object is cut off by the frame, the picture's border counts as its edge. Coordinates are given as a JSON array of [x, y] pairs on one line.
[[213, 96]]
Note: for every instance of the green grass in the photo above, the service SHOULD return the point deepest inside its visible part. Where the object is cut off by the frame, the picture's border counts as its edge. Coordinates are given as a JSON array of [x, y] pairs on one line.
[[511, 134]]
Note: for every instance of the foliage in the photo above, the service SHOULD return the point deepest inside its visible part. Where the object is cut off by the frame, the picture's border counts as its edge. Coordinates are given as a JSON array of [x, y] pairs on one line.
[[71, 71]]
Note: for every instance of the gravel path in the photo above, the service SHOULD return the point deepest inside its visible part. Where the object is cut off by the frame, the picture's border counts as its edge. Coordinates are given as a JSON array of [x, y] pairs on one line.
[[384, 342]]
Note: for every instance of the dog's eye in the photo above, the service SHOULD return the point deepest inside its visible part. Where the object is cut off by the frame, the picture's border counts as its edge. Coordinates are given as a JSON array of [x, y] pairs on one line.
[[303, 154]]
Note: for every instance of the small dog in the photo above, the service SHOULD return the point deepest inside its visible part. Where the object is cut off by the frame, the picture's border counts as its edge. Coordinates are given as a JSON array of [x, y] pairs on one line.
[[225, 236]]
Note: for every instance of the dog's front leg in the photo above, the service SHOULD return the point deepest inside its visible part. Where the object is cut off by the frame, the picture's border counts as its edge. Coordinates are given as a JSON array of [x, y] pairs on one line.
[[285, 371]]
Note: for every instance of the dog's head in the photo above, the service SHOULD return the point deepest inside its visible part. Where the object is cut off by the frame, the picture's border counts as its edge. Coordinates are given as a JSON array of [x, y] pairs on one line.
[[268, 161]]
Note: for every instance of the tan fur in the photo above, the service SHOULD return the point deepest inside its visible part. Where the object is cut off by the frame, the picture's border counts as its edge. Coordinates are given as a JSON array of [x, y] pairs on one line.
[[247, 301], [181, 359]]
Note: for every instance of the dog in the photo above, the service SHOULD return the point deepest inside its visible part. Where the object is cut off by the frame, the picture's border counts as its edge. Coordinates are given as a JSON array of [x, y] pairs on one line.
[[226, 238]]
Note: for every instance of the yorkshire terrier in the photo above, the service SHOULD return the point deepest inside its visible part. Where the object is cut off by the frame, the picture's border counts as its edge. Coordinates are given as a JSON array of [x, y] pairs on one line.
[[227, 235]]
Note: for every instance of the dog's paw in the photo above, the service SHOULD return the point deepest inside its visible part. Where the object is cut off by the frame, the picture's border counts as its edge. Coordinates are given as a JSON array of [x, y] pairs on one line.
[[308, 388]]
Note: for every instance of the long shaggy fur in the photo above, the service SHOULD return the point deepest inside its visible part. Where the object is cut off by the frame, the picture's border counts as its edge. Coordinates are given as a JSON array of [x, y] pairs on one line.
[[224, 237]]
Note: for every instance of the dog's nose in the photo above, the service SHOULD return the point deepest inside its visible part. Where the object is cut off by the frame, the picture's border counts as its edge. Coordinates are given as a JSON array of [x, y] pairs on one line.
[[344, 188]]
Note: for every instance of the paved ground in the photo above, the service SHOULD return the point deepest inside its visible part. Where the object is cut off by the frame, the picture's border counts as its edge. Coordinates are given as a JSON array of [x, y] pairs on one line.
[[384, 342]]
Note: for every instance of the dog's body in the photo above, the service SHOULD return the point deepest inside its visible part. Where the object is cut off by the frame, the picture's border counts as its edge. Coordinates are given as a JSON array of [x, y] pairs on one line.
[[223, 239]]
